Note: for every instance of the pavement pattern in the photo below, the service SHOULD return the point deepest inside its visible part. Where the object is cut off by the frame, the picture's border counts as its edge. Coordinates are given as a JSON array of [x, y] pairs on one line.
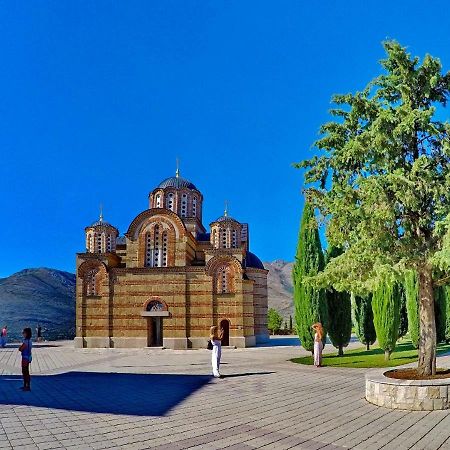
[[164, 399]]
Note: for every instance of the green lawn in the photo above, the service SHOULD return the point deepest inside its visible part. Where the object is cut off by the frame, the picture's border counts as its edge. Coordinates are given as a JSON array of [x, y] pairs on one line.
[[404, 353]]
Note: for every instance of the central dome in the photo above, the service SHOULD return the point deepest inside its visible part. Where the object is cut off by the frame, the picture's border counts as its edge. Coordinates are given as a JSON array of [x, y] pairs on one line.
[[177, 183]]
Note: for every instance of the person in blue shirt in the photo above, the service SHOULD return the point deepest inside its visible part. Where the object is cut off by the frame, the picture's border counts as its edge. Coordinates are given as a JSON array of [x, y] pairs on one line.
[[25, 349]]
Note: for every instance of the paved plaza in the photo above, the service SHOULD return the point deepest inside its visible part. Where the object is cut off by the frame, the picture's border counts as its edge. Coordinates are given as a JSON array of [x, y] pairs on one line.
[[165, 399]]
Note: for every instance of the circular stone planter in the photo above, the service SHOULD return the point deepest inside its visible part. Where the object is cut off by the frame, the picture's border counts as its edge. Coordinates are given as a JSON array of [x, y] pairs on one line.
[[413, 395]]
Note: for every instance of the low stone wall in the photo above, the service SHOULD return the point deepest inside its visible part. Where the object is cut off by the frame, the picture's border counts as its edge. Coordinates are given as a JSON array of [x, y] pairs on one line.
[[414, 395]]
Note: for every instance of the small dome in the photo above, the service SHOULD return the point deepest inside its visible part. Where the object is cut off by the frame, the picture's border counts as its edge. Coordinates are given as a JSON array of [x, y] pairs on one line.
[[177, 183], [225, 219], [251, 260], [102, 223]]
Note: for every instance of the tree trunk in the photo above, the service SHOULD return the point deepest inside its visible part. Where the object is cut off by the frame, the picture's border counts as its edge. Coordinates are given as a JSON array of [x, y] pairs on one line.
[[427, 335], [340, 351], [387, 355], [367, 346]]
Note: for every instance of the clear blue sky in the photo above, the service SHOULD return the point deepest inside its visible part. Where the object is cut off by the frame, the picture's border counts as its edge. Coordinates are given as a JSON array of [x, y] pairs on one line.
[[99, 98]]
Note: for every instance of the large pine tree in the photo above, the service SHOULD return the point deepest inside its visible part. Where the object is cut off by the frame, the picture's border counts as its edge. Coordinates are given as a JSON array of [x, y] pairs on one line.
[[386, 315], [339, 312], [382, 181], [309, 302], [362, 317]]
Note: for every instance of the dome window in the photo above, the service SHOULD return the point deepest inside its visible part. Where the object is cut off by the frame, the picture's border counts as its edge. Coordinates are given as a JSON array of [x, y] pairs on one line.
[[170, 201], [184, 203]]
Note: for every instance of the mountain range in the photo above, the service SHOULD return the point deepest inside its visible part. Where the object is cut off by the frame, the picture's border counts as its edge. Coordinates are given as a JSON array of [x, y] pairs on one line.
[[47, 297], [38, 296]]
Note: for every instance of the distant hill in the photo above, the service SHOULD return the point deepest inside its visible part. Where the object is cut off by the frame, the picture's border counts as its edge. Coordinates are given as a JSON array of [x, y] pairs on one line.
[[44, 296], [280, 287]]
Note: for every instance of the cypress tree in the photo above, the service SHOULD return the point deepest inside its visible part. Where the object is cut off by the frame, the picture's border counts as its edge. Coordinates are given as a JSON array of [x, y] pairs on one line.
[[441, 309], [363, 319], [309, 302], [403, 326], [447, 314], [386, 315], [440, 312], [339, 313], [411, 286]]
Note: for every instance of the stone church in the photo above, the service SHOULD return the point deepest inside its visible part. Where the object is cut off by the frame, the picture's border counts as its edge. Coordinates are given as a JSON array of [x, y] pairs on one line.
[[169, 279]]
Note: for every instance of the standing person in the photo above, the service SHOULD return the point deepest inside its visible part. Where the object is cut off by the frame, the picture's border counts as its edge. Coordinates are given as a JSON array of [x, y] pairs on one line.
[[3, 335], [39, 333], [318, 343], [25, 349], [216, 337]]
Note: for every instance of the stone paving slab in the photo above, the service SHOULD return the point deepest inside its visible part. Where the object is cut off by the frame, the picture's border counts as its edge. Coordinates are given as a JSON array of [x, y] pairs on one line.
[[147, 399]]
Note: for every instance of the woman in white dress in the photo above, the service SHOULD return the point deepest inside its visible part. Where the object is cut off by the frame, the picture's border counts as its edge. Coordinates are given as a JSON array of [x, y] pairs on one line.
[[216, 338], [318, 343]]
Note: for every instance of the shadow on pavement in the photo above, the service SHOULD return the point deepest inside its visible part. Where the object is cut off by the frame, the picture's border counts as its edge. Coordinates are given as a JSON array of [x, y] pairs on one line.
[[246, 374], [109, 393]]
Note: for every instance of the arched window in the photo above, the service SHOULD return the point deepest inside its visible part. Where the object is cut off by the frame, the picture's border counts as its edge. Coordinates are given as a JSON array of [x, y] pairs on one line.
[[148, 250], [170, 201], [224, 280], [194, 206], [165, 248], [90, 281], [156, 247], [223, 238], [91, 243], [99, 242], [158, 201], [109, 243], [234, 239], [184, 204], [155, 305]]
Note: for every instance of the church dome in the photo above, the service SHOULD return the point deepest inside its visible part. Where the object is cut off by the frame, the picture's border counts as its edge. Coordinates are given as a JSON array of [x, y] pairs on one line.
[[102, 223], [225, 218], [251, 260], [176, 182]]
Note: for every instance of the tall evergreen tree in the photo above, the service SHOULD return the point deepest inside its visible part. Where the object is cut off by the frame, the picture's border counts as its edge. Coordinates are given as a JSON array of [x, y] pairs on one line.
[[362, 317], [440, 309], [339, 312], [382, 180], [386, 315], [447, 314], [309, 302], [403, 324]]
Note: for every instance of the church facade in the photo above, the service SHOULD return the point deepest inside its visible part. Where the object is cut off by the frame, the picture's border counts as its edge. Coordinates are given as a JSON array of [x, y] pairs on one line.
[[168, 280]]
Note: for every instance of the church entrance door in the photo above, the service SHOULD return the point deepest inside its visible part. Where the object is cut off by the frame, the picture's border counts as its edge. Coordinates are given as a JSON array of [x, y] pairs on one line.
[[225, 326], [154, 331]]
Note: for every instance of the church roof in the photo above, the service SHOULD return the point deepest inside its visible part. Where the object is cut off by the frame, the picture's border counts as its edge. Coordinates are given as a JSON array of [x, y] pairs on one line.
[[102, 223], [177, 182], [251, 260], [225, 218], [203, 237]]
